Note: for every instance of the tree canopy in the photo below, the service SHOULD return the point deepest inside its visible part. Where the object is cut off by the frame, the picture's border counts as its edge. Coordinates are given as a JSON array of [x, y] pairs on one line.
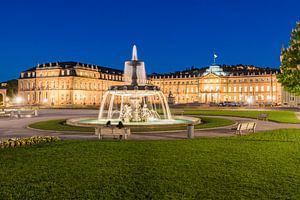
[[290, 64]]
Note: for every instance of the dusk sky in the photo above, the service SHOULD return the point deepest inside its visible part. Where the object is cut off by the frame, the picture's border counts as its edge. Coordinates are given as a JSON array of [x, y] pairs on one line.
[[170, 35]]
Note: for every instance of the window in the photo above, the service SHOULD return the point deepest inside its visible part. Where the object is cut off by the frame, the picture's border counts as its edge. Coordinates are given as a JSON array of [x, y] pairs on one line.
[[292, 98], [229, 89], [256, 88], [274, 88], [245, 88], [268, 88], [234, 89], [262, 88], [251, 89], [224, 89]]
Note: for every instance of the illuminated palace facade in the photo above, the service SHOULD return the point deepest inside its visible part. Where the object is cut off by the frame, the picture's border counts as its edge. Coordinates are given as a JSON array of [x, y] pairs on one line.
[[71, 84], [245, 85], [66, 84]]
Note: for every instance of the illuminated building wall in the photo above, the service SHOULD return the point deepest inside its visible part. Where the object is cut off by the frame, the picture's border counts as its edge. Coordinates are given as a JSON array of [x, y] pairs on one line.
[[66, 83], [70, 83], [210, 87]]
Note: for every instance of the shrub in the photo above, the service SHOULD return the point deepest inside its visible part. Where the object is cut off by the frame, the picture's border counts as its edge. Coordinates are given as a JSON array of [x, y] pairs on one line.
[[17, 142]]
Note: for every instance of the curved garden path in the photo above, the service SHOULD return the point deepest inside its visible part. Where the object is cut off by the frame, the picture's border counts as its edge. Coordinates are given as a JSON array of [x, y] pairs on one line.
[[18, 127]]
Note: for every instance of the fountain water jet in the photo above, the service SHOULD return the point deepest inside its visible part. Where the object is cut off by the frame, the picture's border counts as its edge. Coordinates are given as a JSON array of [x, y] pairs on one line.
[[136, 101]]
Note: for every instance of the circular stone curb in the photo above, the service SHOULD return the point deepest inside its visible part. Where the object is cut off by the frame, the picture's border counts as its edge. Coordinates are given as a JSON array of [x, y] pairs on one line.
[[137, 133]]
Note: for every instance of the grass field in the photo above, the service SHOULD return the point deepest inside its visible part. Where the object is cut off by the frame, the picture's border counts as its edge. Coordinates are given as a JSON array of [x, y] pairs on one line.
[[258, 166], [59, 125], [273, 115]]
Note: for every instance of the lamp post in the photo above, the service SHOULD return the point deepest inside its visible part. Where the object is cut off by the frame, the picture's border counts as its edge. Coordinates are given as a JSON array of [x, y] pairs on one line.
[[249, 101]]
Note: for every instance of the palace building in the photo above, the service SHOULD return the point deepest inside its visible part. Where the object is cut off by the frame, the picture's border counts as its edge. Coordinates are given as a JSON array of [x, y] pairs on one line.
[[66, 83], [73, 83], [214, 85]]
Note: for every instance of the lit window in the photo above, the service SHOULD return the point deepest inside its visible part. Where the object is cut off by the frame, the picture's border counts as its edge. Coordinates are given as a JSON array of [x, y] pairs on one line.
[[268, 88], [234, 89], [251, 89], [256, 88], [262, 88], [245, 89]]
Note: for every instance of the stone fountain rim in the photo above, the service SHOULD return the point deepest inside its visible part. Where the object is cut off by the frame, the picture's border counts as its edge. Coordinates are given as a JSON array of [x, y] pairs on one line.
[[191, 120]]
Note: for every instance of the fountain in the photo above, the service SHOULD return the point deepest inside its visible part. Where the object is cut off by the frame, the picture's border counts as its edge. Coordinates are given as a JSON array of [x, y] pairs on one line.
[[135, 103]]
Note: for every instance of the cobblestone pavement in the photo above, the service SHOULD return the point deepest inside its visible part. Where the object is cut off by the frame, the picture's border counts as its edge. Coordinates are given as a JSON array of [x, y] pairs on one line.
[[18, 127]]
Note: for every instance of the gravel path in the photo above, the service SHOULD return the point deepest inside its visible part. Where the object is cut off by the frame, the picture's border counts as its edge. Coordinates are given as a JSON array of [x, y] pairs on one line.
[[17, 127]]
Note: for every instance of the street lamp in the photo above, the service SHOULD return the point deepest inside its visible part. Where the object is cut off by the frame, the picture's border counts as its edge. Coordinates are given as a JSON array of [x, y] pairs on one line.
[[249, 101], [19, 99]]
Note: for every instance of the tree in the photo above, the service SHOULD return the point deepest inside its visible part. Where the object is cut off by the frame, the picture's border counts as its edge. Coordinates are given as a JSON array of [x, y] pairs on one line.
[[12, 88], [290, 64]]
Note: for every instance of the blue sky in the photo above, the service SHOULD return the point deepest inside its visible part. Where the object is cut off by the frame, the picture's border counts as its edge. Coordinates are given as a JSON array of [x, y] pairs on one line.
[[170, 35]]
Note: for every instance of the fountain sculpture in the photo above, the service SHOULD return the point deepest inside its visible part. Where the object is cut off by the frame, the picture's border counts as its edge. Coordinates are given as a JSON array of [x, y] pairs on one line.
[[136, 101]]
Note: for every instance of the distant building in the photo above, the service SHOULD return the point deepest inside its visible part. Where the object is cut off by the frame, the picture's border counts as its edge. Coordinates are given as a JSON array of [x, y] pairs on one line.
[[66, 83], [245, 84], [72, 83]]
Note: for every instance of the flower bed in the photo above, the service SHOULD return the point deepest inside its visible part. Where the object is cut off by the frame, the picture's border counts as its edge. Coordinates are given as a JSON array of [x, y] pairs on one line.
[[17, 142]]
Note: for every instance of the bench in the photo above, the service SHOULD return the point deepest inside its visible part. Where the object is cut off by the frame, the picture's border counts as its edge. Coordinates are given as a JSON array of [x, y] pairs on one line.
[[8, 113], [263, 116], [178, 112], [246, 126], [27, 113], [18, 113], [112, 131]]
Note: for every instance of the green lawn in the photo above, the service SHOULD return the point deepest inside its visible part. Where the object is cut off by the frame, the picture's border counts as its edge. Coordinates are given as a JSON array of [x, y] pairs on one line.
[[59, 125], [274, 115], [259, 166]]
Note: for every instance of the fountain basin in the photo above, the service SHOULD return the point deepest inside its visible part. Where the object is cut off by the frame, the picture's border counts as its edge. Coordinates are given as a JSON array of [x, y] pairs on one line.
[[176, 121]]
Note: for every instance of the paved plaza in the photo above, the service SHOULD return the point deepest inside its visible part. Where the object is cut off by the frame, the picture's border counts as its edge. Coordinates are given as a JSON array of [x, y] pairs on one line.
[[18, 127]]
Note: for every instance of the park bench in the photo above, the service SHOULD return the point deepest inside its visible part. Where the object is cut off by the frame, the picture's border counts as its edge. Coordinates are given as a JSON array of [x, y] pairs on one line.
[[263, 116], [178, 112], [112, 132], [246, 126], [8, 113], [27, 113]]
